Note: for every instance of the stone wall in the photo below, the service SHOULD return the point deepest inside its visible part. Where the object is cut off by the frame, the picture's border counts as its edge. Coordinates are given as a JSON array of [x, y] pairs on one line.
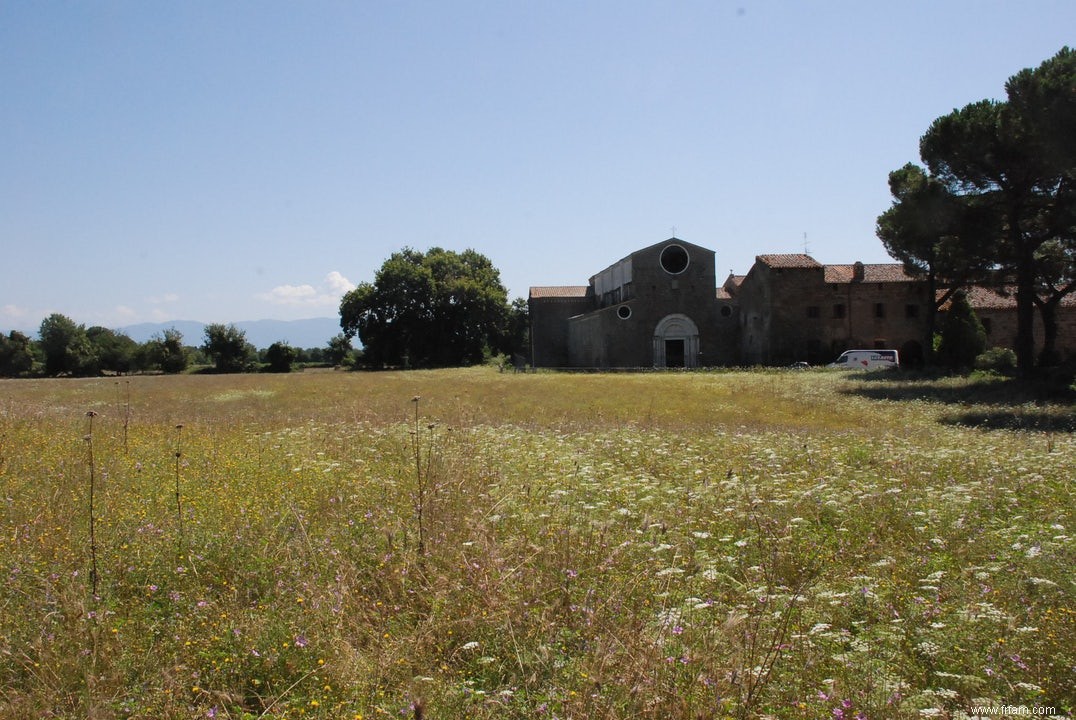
[[549, 327]]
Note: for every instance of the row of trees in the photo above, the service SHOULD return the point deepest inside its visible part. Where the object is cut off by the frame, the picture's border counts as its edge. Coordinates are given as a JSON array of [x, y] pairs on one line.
[[65, 347], [996, 202], [438, 308]]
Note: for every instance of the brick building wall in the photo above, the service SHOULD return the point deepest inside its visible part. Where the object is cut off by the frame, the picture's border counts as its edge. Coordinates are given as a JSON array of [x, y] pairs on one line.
[[549, 309], [793, 308], [997, 312]]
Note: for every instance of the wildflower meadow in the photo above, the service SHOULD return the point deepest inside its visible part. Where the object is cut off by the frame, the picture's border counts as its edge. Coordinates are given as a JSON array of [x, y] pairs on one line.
[[475, 544]]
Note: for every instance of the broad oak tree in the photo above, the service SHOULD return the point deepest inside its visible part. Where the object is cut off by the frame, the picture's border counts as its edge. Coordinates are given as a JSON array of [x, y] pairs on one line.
[[433, 309]]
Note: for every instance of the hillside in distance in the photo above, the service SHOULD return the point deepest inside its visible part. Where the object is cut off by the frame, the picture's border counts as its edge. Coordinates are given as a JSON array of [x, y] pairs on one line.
[[309, 333]]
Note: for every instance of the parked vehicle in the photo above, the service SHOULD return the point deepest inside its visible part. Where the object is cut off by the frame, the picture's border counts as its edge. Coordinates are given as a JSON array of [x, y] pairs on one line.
[[867, 360]]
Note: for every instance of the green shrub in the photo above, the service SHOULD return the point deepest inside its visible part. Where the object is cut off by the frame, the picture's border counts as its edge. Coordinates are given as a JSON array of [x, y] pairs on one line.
[[962, 335], [998, 359]]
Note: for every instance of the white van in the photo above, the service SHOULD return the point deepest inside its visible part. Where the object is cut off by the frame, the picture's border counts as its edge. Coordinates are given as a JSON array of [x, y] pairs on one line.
[[866, 360]]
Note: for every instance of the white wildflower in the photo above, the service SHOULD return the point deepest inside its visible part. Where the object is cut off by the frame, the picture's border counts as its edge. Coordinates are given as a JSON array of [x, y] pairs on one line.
[[928, 648]]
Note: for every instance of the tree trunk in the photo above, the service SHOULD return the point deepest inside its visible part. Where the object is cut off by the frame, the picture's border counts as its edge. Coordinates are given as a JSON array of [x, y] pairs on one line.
[[1048, 312], [1025, 294], [932, 315]]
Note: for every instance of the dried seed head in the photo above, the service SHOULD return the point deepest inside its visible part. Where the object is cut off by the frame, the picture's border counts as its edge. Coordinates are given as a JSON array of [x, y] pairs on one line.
[[91, 413]]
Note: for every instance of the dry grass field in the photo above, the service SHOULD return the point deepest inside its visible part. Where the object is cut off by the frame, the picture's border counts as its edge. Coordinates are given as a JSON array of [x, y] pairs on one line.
[[471, 544]]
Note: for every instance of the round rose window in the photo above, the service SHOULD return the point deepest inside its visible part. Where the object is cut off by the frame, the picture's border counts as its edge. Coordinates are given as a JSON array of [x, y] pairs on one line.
[[674, 259]]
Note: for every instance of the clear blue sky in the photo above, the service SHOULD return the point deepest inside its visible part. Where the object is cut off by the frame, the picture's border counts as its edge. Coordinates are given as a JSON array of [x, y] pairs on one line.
[[227, 161]]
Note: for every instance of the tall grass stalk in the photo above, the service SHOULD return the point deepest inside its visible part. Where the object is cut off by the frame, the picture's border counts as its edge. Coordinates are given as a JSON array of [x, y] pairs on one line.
[[421, 481], [93, 519], [179, 495], [124, 406], [126, 416]]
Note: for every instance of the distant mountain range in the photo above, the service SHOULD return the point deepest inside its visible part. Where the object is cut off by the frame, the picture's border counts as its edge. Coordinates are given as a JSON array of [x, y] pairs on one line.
[[311, 333]]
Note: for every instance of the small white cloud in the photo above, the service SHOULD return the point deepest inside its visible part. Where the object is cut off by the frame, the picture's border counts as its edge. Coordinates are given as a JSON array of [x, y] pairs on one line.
[[326, 294], [338, 284], [166, 299], [125, 314], [13, 312], [291, 294]]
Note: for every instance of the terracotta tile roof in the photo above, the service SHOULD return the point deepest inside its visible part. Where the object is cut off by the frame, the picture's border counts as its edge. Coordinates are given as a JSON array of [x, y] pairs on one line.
[[731, 286], [982, 298], [999, 298], [797, 260], [560, 291], [872, 273]]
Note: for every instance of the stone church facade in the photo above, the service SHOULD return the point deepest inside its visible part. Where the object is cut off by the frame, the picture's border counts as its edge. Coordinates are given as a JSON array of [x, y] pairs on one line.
[[661, 307], [655, 308]]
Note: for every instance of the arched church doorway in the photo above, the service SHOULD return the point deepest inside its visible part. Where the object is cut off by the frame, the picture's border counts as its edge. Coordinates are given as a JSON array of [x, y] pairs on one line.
[[676, 342]]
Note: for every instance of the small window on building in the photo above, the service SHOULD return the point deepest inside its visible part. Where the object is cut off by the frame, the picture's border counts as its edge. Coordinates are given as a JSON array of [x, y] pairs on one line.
[[838, 311], [623, 312], [911, 312], [879, 310], [726, 311], [814, 312]]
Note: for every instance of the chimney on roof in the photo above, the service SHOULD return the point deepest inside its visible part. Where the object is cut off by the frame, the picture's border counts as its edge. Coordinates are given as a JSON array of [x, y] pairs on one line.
[[858, 272]]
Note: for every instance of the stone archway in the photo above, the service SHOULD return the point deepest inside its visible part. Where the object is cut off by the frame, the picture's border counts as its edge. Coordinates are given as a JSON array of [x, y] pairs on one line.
[[676, 342]]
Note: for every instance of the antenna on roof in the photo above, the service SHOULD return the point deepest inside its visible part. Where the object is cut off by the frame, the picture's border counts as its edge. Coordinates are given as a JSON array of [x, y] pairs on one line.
[[806, 245], [674, 232]]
